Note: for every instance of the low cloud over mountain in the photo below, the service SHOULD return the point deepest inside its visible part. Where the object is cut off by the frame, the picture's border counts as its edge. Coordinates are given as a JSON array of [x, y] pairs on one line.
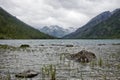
[[65, 13]]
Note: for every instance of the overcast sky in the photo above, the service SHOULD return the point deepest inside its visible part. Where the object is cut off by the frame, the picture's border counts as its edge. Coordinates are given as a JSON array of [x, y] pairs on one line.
[[65, 13]]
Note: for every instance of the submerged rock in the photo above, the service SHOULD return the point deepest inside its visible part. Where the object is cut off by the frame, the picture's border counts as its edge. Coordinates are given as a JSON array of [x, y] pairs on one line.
[[27, 74], [101, 44], [57, 45], [83, 56]]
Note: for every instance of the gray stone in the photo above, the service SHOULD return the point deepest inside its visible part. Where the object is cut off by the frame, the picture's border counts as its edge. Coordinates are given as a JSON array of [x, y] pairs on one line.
[[27, 74]]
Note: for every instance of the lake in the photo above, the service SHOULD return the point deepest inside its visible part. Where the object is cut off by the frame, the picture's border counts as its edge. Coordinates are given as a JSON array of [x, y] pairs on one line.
[[43, 53]]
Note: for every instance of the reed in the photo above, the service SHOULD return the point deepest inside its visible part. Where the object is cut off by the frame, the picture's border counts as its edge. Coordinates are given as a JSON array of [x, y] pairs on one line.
[[50, 71], [43, 77], [100, 62], [8, 75], [81, 76], [93, 63], [53, 74], [104, 77], [0, 77], [62, 58]]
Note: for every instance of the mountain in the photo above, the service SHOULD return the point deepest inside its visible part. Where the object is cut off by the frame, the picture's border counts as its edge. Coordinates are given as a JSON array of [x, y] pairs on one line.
[[13, 28], [105, 25], [56, 31]]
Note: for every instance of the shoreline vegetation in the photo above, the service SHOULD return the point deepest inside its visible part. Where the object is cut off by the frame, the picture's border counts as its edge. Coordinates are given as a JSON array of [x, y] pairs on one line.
[[104, 67]]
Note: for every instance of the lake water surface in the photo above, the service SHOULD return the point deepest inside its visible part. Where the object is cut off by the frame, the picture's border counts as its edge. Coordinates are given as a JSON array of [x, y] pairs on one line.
[[46, 52]]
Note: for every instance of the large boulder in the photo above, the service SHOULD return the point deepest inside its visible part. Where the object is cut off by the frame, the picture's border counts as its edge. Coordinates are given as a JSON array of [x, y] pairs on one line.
[[82, 56], [27, 74]]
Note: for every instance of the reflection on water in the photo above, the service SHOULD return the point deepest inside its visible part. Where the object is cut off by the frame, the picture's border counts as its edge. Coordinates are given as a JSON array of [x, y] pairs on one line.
[[45, 52]]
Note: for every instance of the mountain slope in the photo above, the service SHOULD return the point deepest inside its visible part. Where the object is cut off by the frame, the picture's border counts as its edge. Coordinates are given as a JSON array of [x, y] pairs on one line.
[[56, 31], [106, 26], [12, 28]]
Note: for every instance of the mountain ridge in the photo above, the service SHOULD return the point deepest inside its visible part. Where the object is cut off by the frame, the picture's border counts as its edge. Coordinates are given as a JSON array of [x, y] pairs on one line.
[[89, 31], [13, 28]]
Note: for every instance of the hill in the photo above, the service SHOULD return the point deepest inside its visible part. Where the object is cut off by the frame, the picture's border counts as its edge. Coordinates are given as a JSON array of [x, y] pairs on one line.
[[13, 28], [104, 26]]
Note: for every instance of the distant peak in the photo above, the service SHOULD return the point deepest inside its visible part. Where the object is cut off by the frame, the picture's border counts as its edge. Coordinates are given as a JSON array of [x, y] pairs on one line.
[[100, 17], [116, 10], [104, 13], [45, 26], [1, 8], [54, 26]]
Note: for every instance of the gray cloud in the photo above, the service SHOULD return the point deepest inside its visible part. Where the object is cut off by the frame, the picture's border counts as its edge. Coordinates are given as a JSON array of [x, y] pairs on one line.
[[65, 13]]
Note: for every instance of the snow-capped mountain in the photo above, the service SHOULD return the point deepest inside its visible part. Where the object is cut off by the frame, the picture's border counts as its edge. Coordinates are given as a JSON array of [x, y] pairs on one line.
[[56, 31]]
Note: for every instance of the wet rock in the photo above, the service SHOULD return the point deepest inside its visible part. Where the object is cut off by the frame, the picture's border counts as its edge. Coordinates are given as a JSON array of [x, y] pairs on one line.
[[24, 46], [116, 44], [69, 45], [101, 44], [83, 56], [41, 45], [27, 74], [57, 45]]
